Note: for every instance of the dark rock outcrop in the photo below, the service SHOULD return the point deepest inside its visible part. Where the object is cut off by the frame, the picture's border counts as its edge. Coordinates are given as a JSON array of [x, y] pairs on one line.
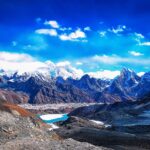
[[83, 130]]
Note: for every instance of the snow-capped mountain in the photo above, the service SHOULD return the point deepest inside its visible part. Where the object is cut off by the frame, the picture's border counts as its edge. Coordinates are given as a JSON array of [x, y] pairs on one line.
[[122, 87], [49, 70], [124, 81], [47, 86], [143, 88]]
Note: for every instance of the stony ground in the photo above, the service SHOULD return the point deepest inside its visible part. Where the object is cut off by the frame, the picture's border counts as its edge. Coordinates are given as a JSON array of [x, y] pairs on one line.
[[28, 133], [54, 108], [84, 130]]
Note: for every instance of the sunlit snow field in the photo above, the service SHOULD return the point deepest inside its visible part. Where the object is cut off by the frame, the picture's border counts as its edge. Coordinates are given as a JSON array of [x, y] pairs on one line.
[[53, 118]]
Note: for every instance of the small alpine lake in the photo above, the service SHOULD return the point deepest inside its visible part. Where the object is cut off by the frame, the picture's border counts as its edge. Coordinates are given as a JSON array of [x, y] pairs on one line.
[[53, 118]]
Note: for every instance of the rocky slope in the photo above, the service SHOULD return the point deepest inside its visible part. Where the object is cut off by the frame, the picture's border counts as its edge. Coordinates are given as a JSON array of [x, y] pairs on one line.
[[113, 112], [20, 129], [50, 91], [131, 117], [122, 125], [13, 97], [84, 130]]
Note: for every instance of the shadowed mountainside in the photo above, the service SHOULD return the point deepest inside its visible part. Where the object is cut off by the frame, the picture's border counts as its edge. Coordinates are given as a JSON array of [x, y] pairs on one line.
[[128, 86]]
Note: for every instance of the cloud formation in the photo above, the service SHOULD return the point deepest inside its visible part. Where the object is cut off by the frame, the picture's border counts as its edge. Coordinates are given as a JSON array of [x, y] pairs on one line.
[[105, 74], [73, 36], [145, 44], [52, 23], [64, 33], [98, 60], [104, 47], [102, 33], [87, 29], [118, 29], [51, 32], [21, 63], [134, 53]]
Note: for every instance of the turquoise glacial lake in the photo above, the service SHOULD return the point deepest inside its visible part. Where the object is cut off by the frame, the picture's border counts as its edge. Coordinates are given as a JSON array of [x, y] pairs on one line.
[[56, 119]]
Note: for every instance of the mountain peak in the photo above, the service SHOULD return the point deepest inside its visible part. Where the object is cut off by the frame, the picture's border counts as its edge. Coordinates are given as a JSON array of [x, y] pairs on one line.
[[125, 71], [85, 77], [129, 74]]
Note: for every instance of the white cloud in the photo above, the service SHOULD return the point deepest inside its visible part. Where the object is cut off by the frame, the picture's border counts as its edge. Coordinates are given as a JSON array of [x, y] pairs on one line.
[[73, 36], [102, 33], [18, 62], [14, 57], [65, 28], [87, 29], [51, 32], [52, 23], [64, 37], [63, 63], [108, 74], [144, 44], [69, 35], [133, 53], [106, 59], [21, 63], [139, 35], [119, 29], [77, 34], [115, 59], [79, 63], [65, 69]]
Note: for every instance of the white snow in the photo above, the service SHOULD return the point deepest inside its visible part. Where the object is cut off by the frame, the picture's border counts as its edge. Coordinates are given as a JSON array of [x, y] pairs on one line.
[[101, 123], [11, 80], [51, 116], [98, 122], [53, 126], [104, 74], [140, 74]]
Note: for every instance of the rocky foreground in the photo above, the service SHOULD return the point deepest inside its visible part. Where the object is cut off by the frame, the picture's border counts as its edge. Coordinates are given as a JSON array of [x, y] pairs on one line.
[[84, 130], [126, 125], [22, 130]]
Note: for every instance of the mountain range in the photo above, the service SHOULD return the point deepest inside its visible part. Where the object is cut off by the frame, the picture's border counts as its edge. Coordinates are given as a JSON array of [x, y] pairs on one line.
[[41, 87]]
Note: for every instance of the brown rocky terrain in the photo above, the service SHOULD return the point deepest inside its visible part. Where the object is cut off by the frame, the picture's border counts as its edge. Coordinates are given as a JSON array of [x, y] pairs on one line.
[[13, 97], [22, 130]]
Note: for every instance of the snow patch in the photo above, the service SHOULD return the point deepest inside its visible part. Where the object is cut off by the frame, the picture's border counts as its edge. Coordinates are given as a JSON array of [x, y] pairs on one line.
[[53, 127], [101, 123], [98, 122], [51, 116]]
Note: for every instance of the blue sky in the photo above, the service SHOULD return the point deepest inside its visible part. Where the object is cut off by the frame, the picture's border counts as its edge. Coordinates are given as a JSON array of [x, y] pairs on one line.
[[92, 35]]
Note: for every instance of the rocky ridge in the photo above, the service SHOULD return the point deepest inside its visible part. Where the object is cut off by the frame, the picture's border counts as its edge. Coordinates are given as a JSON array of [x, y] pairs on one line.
[[20, 129], [128, 86]]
